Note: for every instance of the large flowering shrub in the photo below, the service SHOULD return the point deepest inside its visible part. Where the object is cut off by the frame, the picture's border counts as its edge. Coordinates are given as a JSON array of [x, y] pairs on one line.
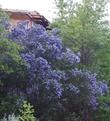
[[52, 79]]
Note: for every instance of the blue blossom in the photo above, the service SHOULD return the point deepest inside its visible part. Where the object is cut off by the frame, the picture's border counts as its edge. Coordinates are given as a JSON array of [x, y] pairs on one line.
[[92, 102], [55, 31], [58, 88], [88, 85], [5, 23], [73, 88], [46, 68], [103, 88], [76, 72], [70, 57]]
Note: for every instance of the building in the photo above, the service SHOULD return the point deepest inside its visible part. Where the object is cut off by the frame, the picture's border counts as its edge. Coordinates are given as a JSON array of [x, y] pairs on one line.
[[22, 15]]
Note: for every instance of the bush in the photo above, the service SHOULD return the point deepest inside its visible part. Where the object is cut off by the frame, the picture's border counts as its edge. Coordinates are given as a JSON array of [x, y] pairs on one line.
[[53, 83], [10, 68], [26, 112]]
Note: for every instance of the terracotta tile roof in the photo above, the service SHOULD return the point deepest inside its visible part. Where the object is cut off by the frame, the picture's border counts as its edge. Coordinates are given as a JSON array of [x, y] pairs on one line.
[[33, 15], [21, 11]]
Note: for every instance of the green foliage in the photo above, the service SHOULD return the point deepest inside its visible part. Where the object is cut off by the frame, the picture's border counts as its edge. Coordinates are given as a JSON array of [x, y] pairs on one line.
[[26, 112], [103, 113], [9, 55], [10, 64], [10, 118], [10, 67], [85, 29], [104, 62], [9, 50], [8, 105], [3, 16], [72, 117], [64, 8]]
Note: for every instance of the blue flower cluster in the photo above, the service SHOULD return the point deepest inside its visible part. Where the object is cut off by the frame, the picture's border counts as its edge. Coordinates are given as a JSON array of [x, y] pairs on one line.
[[88, 85], [51, 68]]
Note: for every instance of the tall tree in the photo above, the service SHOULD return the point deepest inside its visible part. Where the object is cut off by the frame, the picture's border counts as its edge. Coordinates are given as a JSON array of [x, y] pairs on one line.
[[63, 8], [85, 29]]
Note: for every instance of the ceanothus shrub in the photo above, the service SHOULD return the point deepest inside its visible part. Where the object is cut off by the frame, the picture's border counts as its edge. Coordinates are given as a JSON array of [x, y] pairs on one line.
[[51, 73]]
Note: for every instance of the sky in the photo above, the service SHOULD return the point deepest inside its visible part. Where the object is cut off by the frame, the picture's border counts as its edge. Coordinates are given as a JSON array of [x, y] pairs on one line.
[[44, 7]]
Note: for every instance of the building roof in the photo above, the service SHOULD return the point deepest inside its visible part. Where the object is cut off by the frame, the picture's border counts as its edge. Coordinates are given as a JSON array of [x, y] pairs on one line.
[[32, 15]]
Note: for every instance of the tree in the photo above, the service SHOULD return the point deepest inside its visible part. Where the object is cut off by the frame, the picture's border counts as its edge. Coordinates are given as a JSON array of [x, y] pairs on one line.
[[85, 29], [64, 7]]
